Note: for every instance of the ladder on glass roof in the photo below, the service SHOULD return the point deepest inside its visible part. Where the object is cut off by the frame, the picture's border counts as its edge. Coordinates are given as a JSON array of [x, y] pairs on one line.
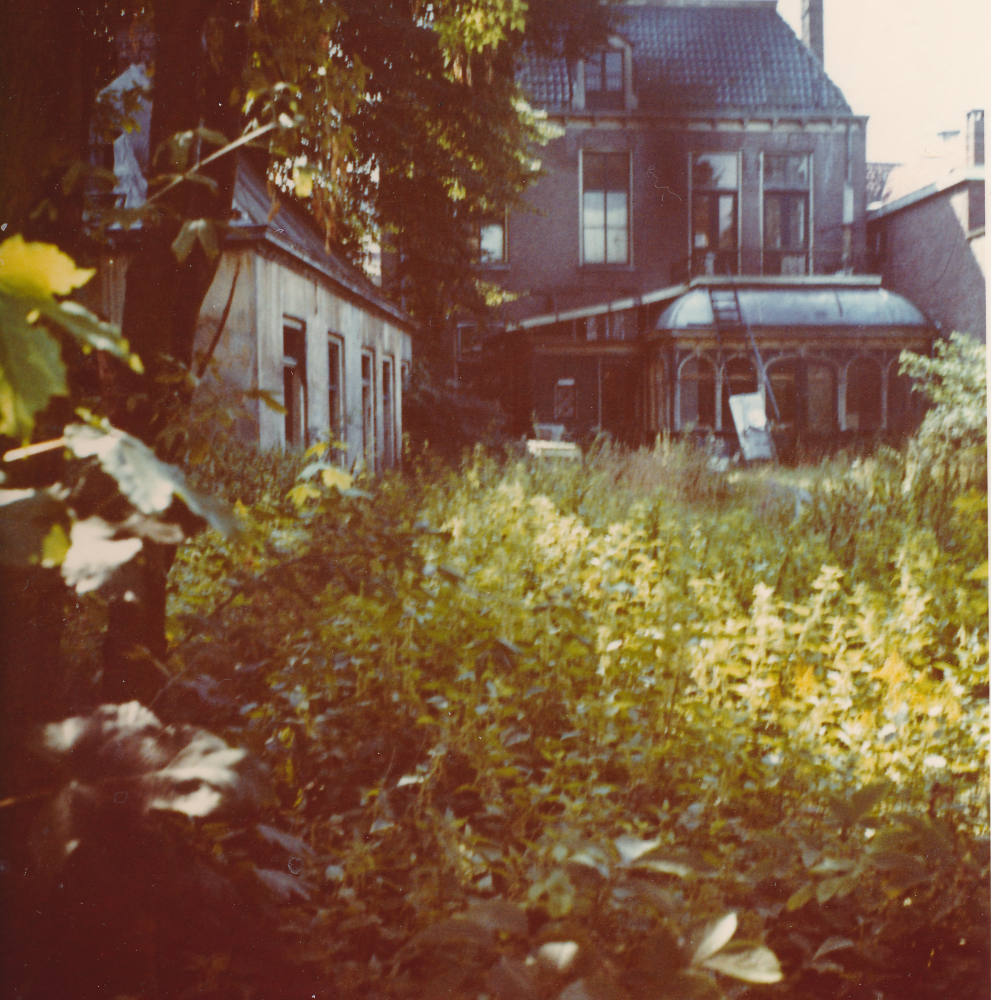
[[728, 315]]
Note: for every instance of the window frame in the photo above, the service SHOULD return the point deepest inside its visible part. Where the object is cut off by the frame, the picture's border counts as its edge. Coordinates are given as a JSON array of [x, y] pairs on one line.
[[605, 98], [584, 155], [295, 384], [713, 194], [502, 222], [388, 381], [772, 258], [336, 388], [369, 437]]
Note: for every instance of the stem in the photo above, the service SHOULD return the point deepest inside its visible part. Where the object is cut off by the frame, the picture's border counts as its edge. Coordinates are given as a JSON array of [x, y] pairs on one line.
[[197, 167]]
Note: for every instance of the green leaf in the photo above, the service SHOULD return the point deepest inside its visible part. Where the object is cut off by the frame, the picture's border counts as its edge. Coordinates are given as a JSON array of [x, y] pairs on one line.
[[831, 944], [901, 869], [716, 935], [31, 368], [182, 245], [755, 965], [456, 931], [267, 398], [498, 915], [91, 332], [38, 270], [54, 547], [95, 554], [632, 848], [690, 985], [149, 483], [800, 897], [27, 520], [302, 182]]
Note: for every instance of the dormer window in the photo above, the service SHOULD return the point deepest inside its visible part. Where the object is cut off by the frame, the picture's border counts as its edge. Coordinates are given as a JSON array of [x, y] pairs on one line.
[[605, 81]]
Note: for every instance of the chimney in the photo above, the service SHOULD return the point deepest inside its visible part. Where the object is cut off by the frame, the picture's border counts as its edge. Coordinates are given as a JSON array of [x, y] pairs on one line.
[[812, 33], [975, 138]]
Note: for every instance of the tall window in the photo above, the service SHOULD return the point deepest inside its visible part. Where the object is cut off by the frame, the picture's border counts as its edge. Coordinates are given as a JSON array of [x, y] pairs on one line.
[[697, 390], [335, 386], [294, 382], [715, 190], [605, 208], [786, 214], [604, 81], [388, 412], [564, 399], [368, 408], [492, 241]]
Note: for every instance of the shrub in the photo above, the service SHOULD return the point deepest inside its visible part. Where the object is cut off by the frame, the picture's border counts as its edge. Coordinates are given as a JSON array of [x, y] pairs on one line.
[[528, 705]]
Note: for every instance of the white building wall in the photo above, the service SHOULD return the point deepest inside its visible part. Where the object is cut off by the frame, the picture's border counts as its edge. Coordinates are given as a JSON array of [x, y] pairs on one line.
[[282, 292]]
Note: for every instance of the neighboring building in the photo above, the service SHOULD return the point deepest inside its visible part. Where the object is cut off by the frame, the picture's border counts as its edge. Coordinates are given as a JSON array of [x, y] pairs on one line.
[[303, 326], [926, 231], [704, 152]]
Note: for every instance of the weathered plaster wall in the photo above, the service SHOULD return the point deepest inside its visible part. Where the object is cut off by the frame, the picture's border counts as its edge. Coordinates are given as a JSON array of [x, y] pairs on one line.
[[283, 290]]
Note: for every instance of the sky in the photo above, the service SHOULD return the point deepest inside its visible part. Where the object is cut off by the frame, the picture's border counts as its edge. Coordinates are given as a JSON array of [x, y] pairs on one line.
[[916, 67]]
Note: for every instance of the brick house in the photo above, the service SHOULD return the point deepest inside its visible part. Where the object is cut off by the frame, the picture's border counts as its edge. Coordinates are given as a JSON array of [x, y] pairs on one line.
[[925, 227], [704, 153]]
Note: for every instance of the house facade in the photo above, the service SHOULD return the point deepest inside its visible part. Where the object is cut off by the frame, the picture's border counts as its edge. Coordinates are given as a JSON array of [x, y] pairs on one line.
[[705, 150], [926, 231]]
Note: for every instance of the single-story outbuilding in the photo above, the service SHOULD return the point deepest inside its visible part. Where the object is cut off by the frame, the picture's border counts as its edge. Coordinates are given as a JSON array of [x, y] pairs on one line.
[[303, 326]]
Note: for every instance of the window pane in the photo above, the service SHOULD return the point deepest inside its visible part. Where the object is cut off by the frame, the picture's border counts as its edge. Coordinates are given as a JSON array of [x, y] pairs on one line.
[[595, 246], [700, 223], [594, 171], [616, 246], [595, 210], [564, 399], [786, 172], [727, 222], [593, 73], [715, 170], [784, 222], [614, 71], [615, 209], [617, 172], [492, 242], [821, 407]]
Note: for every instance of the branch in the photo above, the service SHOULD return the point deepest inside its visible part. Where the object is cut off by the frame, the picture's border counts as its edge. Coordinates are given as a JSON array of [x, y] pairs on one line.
[[197, 167]]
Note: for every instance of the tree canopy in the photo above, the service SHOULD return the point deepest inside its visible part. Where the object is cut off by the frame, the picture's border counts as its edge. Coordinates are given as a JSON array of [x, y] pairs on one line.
[[400, 121]]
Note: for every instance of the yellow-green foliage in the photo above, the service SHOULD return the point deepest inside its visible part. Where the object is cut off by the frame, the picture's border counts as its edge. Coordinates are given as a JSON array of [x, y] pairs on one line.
[[623, 697]]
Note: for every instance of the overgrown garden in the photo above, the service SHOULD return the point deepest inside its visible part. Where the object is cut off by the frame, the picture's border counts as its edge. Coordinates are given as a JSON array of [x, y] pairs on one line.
[[618, 729], [623, 729]]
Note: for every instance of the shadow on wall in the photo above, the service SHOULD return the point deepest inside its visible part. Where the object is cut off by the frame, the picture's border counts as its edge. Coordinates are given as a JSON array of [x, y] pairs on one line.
[[927, 257]]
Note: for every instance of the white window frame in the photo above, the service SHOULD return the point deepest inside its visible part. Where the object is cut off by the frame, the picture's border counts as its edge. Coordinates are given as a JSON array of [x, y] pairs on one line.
[[809, 222], [738, 191], [337, 422], [581, 209], [504, 225]]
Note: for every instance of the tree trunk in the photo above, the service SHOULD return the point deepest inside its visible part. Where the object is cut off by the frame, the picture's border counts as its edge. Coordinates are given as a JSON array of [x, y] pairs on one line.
[[199, 57]]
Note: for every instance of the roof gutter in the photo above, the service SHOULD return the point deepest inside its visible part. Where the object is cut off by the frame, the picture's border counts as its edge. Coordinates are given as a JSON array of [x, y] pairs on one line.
[[951, 180], [250, 233]]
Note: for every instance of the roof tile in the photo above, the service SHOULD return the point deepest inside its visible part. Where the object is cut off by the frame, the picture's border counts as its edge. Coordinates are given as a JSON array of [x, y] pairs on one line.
[[707, 58]]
